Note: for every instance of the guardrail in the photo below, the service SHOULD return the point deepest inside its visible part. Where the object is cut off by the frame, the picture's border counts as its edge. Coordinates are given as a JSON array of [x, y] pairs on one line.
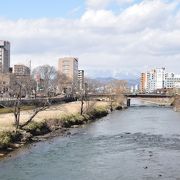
[[149, 95], [37, 101]]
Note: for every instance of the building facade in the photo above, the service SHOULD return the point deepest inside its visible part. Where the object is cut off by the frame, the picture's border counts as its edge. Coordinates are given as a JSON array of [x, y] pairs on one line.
[[143, 83], [160, 78], [172, 80], [68, 67], [21, 70], [4, 56], [157, 79], [81, 83]]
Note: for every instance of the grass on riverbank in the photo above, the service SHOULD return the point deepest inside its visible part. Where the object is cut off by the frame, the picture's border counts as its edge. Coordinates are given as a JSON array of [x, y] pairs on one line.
[[58, 117], [48, 125], [65, 121], [11, 109], [9, 137]]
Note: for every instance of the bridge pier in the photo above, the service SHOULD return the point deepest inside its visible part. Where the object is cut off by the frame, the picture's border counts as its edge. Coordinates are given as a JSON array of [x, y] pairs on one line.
[[128, 102]]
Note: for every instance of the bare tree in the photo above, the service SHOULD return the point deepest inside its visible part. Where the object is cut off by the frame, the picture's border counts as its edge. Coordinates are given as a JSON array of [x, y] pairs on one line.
[[87, 104], [94, 86], [27, 83], [36, 110], [82, 98], [116, 90], [18, 106], [63, 82], [22, 87], [48, 75]]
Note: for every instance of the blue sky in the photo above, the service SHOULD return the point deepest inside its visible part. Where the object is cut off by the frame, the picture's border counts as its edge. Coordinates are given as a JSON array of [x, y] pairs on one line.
[[32, 9], [118, 38], [15, 9]]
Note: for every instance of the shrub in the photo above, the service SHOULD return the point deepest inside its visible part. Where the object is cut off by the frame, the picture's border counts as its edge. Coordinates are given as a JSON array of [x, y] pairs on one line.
[[53, 122], [98, 112], [70, 120], [37, 128], [119, 108], [5, 139]]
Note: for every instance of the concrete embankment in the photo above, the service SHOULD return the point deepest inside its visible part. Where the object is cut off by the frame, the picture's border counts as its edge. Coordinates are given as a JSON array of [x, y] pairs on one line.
[[176, 103], [50, 126], [159, 101]]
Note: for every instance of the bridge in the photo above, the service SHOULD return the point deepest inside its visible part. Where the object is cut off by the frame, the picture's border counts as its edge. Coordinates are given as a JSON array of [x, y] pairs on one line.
[[54, 100], [158, 99], [161, 99], [148, 96], [132, 95]]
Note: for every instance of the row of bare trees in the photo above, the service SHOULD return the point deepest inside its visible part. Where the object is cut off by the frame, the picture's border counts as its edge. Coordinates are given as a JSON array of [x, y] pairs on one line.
[[112, 90], [52, 82], [49, 81]]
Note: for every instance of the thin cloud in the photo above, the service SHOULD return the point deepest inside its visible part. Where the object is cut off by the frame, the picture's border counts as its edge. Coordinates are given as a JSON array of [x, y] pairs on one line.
[[143, 34]]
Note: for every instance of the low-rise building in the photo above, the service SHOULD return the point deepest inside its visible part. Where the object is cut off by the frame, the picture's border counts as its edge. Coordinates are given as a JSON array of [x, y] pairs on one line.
[[21, 70]]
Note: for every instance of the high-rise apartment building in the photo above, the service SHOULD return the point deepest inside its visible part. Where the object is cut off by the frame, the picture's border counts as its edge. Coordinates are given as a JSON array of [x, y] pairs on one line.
[[143, 82], [21, 70], [81, 80], [68, 66], [158, 79], [4, 56], [151, 81]]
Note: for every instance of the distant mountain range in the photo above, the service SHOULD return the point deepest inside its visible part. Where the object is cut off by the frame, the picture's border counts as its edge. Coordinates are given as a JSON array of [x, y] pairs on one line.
[[131, 82]]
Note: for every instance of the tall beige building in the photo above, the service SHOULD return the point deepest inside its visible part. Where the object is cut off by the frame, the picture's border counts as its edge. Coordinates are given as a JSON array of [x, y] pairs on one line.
[[68, 67], [4, 56]]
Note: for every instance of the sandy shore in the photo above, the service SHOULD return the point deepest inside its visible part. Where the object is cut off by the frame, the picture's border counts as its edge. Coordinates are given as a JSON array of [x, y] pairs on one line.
[[55, 111]]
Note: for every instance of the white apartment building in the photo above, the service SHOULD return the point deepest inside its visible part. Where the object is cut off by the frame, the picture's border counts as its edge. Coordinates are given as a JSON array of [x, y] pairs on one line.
[[172, 80], [169, 80], [81, 80], [158, 79], [151, 81], [4, 56]]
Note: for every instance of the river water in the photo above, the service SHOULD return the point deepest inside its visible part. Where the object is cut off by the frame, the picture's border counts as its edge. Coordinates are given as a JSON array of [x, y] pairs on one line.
[[139, 143]]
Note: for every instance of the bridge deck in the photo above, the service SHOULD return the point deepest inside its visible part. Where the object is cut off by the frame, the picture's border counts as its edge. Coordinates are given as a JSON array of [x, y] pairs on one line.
[[133, 95], [148, 96]]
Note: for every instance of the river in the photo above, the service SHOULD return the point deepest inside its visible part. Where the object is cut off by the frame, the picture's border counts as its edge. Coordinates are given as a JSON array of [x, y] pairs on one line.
[[139, 143]]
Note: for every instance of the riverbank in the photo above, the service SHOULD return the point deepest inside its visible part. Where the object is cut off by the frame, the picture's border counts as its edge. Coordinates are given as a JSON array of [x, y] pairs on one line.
[[50, 125], [137, 143], [54, 111], [159, 101]]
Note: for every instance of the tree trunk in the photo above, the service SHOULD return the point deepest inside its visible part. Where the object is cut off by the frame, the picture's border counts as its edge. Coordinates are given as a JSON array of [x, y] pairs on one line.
[[82, 105]]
